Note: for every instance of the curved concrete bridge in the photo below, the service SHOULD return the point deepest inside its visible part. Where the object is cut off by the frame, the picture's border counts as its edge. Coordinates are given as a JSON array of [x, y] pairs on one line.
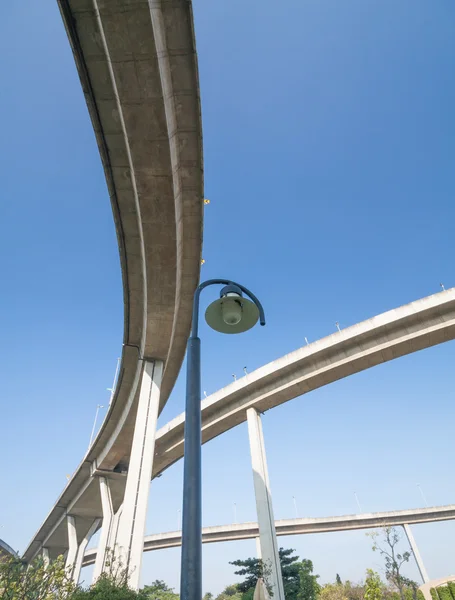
[[138, 69], [404, 330], [407, 329]]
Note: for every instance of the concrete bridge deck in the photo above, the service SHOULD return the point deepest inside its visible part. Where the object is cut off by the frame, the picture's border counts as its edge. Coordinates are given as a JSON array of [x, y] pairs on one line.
[[415, 326], [138, 69], [244, 531]]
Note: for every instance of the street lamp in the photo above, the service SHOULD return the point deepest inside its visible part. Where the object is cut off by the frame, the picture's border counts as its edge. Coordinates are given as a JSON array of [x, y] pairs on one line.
[[231, 313], [98, 406]]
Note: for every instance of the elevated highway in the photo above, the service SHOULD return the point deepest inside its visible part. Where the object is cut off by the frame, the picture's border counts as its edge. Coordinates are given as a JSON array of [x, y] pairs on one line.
[[404, 330], [138, 70], [415, 326], [245, 531]]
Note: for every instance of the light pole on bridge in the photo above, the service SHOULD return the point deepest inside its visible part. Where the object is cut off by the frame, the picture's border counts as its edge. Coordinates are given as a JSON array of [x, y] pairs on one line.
[[231, 313]]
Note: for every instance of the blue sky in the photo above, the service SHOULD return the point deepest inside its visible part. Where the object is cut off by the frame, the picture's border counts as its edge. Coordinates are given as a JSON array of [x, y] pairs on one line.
[[329, 150]]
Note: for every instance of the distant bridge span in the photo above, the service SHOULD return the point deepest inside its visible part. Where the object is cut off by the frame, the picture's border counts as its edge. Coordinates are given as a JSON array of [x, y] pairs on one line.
[[407, 329], [404, 330], [245, 531]]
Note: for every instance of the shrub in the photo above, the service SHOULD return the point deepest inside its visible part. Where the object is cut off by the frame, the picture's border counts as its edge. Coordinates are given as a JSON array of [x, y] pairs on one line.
[[451, 586], [444, 593], [107, 589], [35, 581]]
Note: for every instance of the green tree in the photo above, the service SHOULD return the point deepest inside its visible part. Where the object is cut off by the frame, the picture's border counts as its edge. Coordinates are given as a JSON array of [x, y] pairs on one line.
[[158, 590], [333, 591], [308, 582], [374, 588], [249, 595], [354, 591], [341, 591], [20, 581], [207, 596], [230, 592], [298, 580], [250, 568], [393, 557], [107, 588], [291, 571], [444, 592]]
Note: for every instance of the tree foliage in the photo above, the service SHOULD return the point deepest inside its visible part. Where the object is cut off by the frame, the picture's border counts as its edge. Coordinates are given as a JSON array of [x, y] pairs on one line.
[[20, 581], [309, 587], [444, 592], [107, 588], [374, 588], [343, 591], [394, 559], [250, 568], [158, 590], [38, 581], [231, 592], [333, 591], [299, 582]]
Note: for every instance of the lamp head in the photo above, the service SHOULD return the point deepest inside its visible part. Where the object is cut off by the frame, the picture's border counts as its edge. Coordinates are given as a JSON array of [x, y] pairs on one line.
[[232, 313]]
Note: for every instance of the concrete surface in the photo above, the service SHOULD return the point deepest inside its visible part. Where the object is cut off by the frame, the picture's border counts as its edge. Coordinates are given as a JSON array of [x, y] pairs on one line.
[[395, 333], [415, 326], [244, 531], [416, 553], [131, 528], [264, 505], [138, 69]]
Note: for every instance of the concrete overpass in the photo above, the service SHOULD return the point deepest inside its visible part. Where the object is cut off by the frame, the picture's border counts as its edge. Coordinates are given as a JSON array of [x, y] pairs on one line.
[[245, 531], [138, 70], [407, 329], [404, 330]]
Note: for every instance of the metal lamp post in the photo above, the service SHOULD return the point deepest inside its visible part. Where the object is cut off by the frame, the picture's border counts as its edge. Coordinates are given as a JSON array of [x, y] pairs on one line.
[[231, 313]]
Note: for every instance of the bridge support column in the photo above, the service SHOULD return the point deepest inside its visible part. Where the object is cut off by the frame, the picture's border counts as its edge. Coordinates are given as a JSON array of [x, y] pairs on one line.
[[267, 534], [131, 530], [81, 550], [72, 544], [114, 528], [45, 555], [108, 513], [258, 548], [415, 551]]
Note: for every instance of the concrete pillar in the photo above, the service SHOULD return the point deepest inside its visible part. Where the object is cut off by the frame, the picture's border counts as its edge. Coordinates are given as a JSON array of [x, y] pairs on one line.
[[108, 513], [130, 539], [266, 520], [258, 548], [81, 550], [114, 528], [415, 551], [45, 555], [72, 544]]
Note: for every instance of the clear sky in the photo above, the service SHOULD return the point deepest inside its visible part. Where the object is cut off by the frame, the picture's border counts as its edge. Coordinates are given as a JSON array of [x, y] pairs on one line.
[[329, 146]]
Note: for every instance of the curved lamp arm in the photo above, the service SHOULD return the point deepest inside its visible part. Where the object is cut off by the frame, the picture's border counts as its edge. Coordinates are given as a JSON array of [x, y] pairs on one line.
[[204, 284]]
